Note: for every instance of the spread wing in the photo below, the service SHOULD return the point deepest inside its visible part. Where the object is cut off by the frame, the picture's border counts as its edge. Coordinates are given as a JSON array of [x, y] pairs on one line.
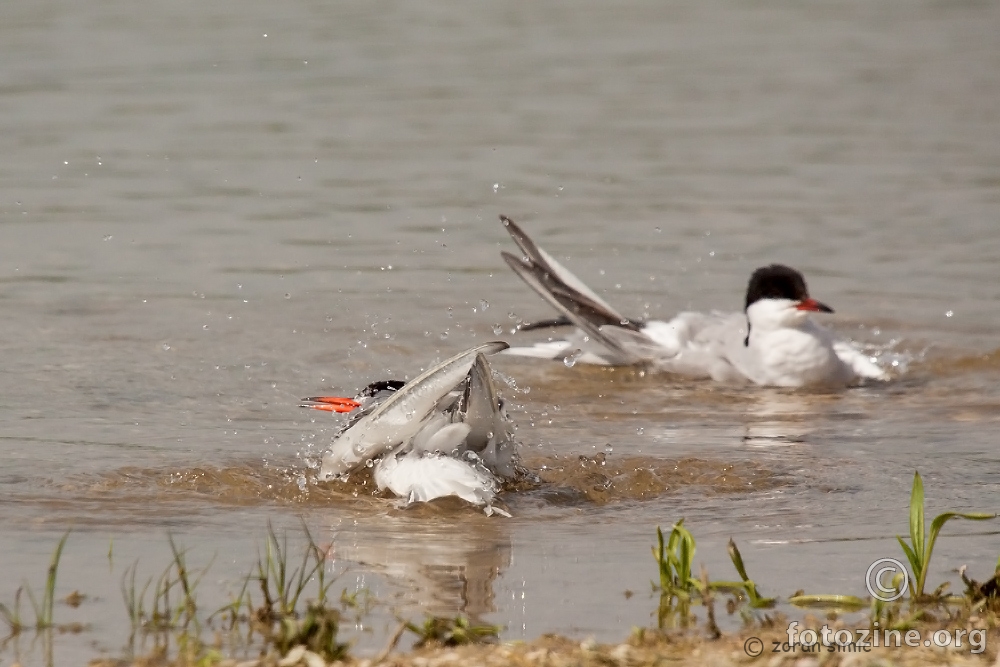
[[568, 294], [402, 415]]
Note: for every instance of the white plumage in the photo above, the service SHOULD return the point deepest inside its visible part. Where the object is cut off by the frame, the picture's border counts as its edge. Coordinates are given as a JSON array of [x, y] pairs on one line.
[[445, 433], [773, 342]]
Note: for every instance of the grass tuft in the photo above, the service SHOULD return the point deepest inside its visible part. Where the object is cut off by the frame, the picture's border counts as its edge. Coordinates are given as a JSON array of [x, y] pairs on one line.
[[44, 614], [678, 587], [921, 547], [456, 631]]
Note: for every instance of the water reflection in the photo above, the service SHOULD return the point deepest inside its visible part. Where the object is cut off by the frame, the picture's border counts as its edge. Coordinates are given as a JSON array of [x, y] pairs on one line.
[[444, 565], [779, 418]]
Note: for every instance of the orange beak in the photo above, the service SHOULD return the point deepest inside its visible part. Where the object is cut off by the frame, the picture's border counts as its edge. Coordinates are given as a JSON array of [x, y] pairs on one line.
[[814, 306], [330, 403]]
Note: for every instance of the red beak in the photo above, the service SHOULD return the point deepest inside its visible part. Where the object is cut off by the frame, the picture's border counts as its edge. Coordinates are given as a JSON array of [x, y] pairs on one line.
[[814, 306], [330, 403]]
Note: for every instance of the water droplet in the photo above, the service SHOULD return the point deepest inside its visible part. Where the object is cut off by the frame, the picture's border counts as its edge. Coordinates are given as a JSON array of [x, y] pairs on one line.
[[949, 313], [108, 237], [483, 304], [444, 334], [165, 347], [640, 430], [497, 329], [571, 358], [608, 448], [287, 295], [496, 187], [369, 463]]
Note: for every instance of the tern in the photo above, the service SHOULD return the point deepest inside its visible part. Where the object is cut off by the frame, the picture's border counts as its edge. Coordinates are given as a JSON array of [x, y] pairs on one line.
[[773, 342], [444, 433]]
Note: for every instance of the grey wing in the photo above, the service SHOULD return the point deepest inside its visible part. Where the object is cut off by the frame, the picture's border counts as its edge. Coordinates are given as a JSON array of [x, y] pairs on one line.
[[401, 416], [568, 294]]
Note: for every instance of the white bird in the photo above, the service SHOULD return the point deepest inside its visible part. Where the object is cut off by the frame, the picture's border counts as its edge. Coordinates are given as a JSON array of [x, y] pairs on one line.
[[445, 433], [773, 342]]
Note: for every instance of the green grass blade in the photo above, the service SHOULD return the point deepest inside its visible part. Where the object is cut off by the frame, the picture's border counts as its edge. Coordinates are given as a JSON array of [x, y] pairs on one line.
[[936, 527], [186, 606], [758, 601], [684, 557], [942, 519], [917, 519], [728, 586], [128, 594], [12, 617], [674, 538], [848, 602], [910, 556], [320, 570], [301, 575], [281, 552], [662, 560], [50, 584], [737, 558]]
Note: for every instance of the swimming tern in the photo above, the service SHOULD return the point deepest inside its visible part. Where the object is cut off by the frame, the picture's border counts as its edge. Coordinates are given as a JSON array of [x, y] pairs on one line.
[[773, 342]]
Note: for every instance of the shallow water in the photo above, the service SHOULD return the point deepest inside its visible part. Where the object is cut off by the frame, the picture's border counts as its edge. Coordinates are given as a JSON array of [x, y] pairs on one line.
[[209, 211]]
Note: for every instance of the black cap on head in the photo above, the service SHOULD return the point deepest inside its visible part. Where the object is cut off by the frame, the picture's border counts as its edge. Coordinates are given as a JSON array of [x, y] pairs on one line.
[[382, 385], [776, 282]]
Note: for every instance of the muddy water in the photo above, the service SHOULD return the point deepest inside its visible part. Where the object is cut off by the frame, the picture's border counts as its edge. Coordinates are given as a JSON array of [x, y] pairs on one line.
[[210, 210]]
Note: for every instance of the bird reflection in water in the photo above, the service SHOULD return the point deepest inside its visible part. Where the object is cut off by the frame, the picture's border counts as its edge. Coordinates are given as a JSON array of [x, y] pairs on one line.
[[781, 418], [434, 564]]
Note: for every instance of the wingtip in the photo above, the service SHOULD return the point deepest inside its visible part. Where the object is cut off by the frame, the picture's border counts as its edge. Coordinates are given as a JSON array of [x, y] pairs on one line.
[[513, 229], [492, 347], [513, 259]]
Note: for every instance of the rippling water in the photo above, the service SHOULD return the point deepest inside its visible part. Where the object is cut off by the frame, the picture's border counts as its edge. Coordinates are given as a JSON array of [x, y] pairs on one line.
[[210, 210]]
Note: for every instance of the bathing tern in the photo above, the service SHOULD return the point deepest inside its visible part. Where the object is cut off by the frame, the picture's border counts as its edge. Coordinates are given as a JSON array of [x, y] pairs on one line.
[[773, 342], [444, 433]]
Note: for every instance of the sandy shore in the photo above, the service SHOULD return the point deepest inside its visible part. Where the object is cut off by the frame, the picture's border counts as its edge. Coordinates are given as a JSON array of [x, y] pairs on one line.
[[646, 649]]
